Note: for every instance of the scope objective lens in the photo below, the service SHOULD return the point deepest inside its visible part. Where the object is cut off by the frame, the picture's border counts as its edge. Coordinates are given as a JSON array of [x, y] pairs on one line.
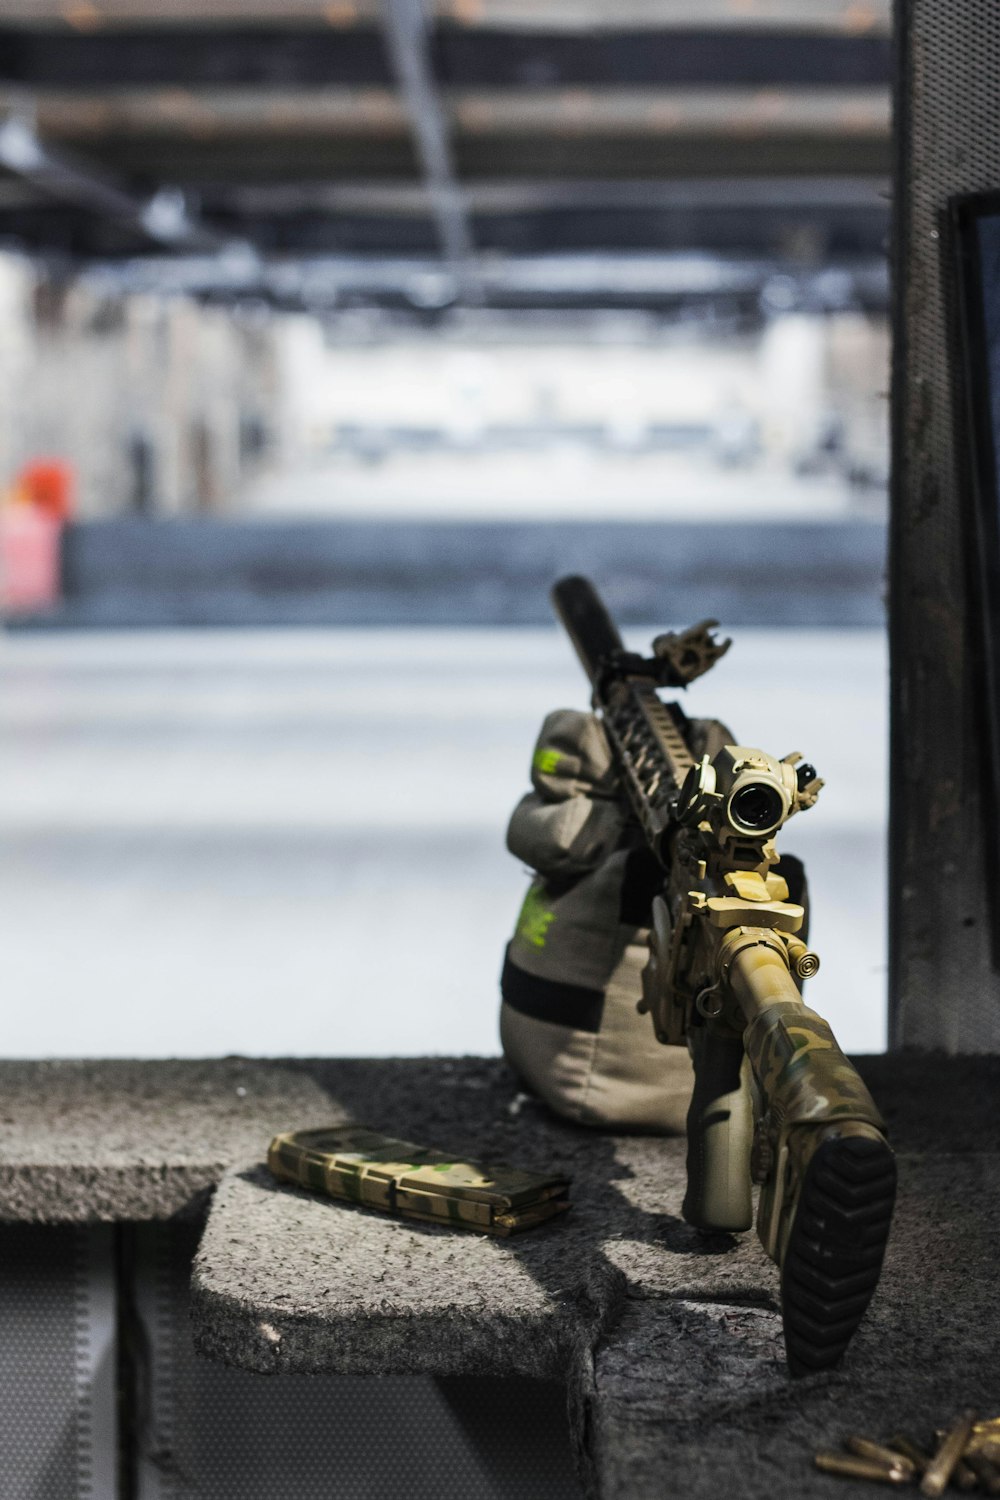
[[757, 807]]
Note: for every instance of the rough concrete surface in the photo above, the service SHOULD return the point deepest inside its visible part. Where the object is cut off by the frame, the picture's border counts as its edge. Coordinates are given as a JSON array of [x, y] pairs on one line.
[[288, 1280], [670, 1343], [696, 1389], [84, 1141]]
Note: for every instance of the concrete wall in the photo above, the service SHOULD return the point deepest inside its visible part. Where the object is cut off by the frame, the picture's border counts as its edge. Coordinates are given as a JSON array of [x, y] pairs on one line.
[[389, 571], [784, 378], [161, 405], [168, 407]]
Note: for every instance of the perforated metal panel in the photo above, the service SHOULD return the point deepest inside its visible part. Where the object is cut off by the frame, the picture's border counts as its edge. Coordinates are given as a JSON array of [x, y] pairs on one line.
[[219, 1434], [944, 991], [57, 1364]]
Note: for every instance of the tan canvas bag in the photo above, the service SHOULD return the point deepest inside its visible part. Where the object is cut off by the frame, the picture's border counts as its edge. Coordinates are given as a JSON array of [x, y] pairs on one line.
[[572, 972]]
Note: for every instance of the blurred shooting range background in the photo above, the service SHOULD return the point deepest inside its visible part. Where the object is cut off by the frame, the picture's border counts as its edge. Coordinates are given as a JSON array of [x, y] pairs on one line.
[[371, 320]]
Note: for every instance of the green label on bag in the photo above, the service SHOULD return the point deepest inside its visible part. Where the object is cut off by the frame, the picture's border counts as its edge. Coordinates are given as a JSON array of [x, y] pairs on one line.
[[535, 919], [547, 761]]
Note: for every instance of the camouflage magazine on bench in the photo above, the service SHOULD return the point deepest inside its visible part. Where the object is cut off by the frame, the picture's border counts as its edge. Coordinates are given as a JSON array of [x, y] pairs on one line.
[[416, 1182]]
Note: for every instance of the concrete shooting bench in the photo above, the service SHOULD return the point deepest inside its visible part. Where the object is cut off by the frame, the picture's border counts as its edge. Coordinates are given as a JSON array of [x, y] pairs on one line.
[[667, 1343]]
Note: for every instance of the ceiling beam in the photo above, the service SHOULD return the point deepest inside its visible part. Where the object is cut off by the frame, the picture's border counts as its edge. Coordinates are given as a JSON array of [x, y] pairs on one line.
[[853, 17], [208, 163], [400, 198], [611, 280], [214, 56], [434, 118]]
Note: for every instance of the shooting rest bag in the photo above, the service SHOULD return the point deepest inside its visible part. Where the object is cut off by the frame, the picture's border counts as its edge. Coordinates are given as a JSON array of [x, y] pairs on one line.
[[572, 973]]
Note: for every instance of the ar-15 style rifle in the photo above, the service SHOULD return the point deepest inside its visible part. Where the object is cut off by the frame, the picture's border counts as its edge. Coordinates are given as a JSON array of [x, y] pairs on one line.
[[775, 1100]]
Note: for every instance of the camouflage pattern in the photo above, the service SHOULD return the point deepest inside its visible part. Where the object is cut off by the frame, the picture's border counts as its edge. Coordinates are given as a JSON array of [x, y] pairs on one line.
[[415, 1182], [803, 1074], [809, 1090]]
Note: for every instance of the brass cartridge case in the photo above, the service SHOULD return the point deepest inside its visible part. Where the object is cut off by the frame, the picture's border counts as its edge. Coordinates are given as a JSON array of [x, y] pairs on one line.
[[865, 1448], [948, 1455], [850, 1466]]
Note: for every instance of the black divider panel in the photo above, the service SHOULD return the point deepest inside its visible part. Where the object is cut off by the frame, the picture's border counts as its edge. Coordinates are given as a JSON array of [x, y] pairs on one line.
[[944, 990]]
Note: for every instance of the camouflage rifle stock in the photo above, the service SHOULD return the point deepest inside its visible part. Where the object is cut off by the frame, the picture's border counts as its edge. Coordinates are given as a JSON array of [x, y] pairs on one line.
[[775, 1100]]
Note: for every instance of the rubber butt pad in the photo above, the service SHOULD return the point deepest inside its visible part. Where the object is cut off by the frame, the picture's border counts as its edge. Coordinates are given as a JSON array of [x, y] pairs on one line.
[[835, 1248]]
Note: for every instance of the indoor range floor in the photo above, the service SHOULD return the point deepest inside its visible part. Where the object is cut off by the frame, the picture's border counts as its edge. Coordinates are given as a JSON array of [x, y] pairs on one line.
[[285, 843]]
